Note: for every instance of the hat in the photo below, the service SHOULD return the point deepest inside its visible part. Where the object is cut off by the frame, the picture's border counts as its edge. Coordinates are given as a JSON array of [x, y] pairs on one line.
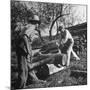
[[34, 20]]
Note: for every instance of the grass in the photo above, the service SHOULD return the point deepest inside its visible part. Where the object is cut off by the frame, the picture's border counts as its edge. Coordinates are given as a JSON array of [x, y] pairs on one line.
[[63, 78]]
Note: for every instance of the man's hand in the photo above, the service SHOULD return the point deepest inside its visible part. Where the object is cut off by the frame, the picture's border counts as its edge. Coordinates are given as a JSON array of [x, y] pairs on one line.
[[28, 58]]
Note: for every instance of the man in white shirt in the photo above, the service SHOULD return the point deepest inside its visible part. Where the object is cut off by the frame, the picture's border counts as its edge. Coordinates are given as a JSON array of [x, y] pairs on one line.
[[67, 43]]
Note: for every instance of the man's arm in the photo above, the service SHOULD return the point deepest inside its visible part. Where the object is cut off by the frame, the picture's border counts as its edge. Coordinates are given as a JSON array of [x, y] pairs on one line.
[[64, 40], [27, 46]]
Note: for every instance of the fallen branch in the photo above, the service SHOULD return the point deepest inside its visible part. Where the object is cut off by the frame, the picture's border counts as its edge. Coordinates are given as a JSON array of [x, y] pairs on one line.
[[79, 71]]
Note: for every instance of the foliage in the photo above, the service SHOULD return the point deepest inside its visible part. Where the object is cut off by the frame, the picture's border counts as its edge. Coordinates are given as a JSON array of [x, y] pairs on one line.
[[19, 13], [50, 14]]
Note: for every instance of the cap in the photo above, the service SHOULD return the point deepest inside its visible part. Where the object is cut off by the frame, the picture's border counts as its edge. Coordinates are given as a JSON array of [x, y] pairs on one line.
[[34, 20]]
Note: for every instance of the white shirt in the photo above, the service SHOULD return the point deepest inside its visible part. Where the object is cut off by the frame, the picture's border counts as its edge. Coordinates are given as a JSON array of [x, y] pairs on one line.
[[67, 35]]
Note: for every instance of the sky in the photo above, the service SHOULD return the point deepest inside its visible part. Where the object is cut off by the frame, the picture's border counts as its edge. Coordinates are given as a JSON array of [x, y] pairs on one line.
[[80, 12]]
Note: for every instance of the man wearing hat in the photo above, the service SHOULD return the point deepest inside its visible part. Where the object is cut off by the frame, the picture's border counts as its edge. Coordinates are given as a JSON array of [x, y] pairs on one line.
[[24, 52], [67, 43]]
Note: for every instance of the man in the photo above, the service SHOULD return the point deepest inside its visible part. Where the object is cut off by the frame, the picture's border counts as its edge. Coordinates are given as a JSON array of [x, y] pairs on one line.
[[24, 52], [67, 43]]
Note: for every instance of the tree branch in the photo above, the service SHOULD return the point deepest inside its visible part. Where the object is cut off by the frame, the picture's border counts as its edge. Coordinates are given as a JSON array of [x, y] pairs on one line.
[[50, 35]]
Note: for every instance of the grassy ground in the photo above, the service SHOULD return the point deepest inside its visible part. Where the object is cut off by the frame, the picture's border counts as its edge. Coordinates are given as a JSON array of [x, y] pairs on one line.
[[66, 77]]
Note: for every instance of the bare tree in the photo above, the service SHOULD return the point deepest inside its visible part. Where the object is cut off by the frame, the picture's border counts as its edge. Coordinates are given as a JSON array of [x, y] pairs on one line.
[[59, 14]]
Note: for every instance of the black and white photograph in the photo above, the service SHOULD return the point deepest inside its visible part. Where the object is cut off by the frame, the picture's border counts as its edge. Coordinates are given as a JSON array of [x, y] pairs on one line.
[[48, 44]]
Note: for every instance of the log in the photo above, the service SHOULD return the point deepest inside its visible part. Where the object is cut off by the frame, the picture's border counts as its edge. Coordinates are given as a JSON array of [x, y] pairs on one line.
[[50, 60], [49, 46]]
